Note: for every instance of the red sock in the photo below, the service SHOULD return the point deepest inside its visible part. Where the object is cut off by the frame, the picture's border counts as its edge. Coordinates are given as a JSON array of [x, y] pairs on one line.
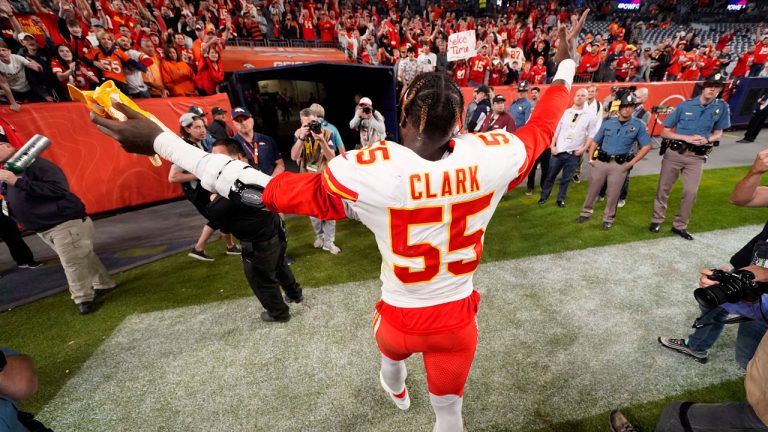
[[401, 394]]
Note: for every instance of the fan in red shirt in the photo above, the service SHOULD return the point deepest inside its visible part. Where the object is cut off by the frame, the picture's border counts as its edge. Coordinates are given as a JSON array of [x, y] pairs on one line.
[[590, 61], [186, 54], [711, 64], [210, 72], [78, 43], [307, 26], [461, 73], [497, 74], [539, 72], [692, 67], [675, 67], [619, 42], [761, 56], [70, 71], [745, 61], [326, 28], [724, 40], [478, 66], [626, 65]]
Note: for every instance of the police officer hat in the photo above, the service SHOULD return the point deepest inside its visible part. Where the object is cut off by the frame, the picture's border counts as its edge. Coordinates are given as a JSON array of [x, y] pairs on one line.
[[628, 99], [715, 80]]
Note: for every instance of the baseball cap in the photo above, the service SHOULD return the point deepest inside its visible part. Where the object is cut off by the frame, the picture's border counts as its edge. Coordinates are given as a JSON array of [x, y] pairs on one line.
[[21, 36], [196, 110], [218, 110], [240, 112], [187, 119], [499, 98], [522, 86], [366, 101]]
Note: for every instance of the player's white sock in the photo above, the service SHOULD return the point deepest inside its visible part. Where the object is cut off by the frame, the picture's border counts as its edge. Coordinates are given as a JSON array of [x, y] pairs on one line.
[[448, 412], [392, 377], [393, 373]]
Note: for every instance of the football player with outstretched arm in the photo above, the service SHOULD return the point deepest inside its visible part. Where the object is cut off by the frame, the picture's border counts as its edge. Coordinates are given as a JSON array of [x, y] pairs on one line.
[[428, 203]]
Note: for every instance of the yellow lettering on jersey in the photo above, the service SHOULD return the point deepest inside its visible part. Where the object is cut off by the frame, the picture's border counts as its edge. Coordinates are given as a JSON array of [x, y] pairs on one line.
[[447, 190], [474, 184], [414, 194], [457, 182], [428, 187], [461, 181]]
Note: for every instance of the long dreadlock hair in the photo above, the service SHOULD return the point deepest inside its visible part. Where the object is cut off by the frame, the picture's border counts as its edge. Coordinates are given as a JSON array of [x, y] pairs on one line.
[[433, 103]]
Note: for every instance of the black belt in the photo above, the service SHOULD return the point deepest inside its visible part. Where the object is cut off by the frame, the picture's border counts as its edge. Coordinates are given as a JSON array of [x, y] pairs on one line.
[[682, 147], [602, 156]]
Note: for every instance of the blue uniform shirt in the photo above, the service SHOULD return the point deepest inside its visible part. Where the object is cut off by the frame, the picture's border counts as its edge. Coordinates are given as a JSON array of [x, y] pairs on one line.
[[521, 111], [619, 139], [8, 410], [692, 118], [264, 149]]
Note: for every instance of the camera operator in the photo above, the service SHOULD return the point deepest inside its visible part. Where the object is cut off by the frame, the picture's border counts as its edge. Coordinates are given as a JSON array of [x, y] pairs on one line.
[[747, 193], [312, 151], [759, 115], [18, 381], [728, 416], [698, 124], [369, 122]]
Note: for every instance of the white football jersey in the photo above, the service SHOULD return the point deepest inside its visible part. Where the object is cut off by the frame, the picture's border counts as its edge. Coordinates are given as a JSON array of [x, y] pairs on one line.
[[429, 217]]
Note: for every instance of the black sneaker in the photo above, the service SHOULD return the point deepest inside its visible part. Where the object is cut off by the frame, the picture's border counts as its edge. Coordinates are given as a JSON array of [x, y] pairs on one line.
[[561, 204], [542, 201], [30, 265], [87, 307], [234, 250], [654, 227], [265, 316], [292, 300], [582, 219], [680, 346], [607, 226], [200, 255], [576, 179], [683, 233], [743, 141]]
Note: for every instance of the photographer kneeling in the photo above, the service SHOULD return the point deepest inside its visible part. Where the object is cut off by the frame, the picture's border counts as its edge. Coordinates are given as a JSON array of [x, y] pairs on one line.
[[752, 257], [727, 416]]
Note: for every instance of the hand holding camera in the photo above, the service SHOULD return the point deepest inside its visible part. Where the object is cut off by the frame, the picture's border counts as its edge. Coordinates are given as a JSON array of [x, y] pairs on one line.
[[723, 286]]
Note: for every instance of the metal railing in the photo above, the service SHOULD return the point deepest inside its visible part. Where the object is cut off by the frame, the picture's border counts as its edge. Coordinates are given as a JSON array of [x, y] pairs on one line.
[[282, 43]]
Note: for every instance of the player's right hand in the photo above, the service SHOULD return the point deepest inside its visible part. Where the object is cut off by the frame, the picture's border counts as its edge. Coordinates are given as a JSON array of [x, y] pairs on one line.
[[566, 46], [136, 135]]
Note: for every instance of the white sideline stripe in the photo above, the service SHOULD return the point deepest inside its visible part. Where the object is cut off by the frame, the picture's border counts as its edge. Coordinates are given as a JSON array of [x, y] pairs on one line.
[[563, 336]]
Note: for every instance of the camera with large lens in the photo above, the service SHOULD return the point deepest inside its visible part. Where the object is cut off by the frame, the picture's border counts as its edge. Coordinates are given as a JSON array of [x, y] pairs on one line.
[[731, 287], [367, 110], [315, 127]]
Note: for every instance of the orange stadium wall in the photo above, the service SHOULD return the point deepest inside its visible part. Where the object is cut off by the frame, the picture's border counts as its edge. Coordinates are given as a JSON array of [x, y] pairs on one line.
[[98, 170], [659, 93]]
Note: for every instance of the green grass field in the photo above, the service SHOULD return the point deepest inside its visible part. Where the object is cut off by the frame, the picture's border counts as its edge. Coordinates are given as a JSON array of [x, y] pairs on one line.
[[61, 341]]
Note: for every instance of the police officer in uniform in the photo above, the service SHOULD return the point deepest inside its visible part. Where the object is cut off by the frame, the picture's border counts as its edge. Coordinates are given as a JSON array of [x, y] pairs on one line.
[[263, 243], [520, 109], [611, 157], [698, 124]]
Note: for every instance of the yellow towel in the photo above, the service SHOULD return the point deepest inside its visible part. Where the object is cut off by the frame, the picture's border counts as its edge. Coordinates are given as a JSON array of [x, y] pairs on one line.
[[100, 102]]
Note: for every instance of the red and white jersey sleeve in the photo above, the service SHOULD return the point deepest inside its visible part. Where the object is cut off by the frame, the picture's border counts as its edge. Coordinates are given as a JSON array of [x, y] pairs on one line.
[[428, 217]]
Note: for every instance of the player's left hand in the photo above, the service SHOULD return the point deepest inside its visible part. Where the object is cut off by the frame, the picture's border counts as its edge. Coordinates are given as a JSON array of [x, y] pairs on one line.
[[136, 135], [8, 177]]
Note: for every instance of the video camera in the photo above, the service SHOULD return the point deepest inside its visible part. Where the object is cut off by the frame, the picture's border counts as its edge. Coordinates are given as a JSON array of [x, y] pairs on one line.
[[732, 287]]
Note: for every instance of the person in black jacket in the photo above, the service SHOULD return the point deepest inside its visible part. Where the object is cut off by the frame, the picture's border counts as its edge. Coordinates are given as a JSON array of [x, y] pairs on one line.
[[263, 243], [218, 128], [40, 200], [756, 122]]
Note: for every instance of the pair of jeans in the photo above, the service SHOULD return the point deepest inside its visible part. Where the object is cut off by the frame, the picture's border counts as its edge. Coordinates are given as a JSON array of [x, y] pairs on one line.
[[747, 338], [266, 270], [567, 162], [721, 417]]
